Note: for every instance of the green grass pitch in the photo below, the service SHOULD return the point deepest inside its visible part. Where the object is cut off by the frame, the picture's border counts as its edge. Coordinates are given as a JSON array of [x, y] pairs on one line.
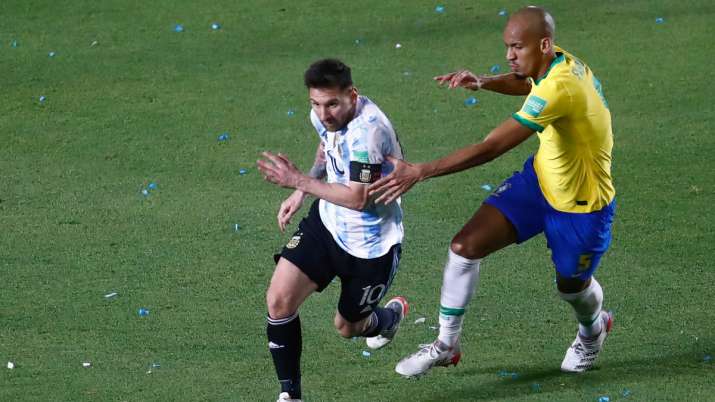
[[129, 101]]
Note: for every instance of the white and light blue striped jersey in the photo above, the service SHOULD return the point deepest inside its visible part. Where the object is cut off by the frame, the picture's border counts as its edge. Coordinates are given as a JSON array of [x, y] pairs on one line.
[[361, 147]]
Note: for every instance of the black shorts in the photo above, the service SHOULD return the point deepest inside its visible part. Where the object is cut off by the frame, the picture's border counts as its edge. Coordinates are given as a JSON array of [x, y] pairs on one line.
[[363, 281]]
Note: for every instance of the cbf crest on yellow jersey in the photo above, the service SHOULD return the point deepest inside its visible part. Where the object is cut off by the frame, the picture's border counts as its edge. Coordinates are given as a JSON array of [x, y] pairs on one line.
[[573, 164]]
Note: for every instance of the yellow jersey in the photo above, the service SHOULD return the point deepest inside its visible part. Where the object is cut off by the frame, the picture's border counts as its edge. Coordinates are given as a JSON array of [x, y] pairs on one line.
[[567, 108]]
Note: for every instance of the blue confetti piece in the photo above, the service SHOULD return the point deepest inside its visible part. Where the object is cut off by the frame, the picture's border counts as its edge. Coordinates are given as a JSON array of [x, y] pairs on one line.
[[14, 44], [178, 28], [242, 171], [626, 392], [42, 99], [604, 399], [439, 9], [223, 137], [502, 13], [291, 113], [471, 101], [358, 41], [215, 26], [155, 365], [51, 54], [365, 353], [659, 20], [152, 186], [143, 312], [495, 68], [486, 187], [145, 192], [236, 227]]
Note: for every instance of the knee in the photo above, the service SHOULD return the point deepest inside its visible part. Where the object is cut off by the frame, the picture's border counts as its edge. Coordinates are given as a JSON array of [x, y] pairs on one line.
[[279, 305], [345, 329], [467, 248]]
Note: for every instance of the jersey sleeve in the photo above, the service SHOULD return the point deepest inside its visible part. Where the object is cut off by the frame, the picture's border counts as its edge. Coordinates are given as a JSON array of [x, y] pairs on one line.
[[367, 153], [546, 103]]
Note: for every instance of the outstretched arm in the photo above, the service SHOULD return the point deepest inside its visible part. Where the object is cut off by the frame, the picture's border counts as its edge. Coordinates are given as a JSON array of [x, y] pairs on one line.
[[508, 84], [506, 136]]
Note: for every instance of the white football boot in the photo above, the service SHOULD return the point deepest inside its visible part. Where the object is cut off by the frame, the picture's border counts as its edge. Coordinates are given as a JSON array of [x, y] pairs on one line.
[[285, 397], [399, 305], [427, 357], [582, 353]]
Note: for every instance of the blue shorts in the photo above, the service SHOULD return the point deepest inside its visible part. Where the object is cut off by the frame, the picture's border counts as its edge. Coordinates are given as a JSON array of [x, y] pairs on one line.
[[577, 240]]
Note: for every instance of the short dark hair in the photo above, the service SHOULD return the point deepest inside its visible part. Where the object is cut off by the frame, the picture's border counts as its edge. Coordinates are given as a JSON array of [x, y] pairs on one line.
[[328, 73]]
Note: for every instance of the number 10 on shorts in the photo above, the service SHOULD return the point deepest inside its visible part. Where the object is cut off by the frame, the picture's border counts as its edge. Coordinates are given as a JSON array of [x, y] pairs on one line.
[[371, 294]]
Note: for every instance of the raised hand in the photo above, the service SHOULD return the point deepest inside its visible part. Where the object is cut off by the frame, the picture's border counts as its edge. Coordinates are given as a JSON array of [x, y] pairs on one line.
[[396, 183], [461, 78], [277, 169], [288, 208]]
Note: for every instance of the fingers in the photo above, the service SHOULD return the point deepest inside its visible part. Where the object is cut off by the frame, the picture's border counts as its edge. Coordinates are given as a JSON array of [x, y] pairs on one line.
[[379, 185], [441, 79], [391, 194]]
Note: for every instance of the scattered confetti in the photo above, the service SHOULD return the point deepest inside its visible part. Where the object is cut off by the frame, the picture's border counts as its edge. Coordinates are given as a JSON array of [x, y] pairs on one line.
[[420, 320], [94, 43], [626, 392], [365, 353], [291, 112], [42, 99], [215, 26], [439, 9], [659, 20], [51, 54], [86, 364], [242, 171], [471, 101], [111, 295], [486, 187], [495, 68], [502, 13], [398, 46], [145, 192], [358, 41], [152, 186], [178, 28], [223, 137], [14, 44], [143, 312], [236, 227], [10, 365]]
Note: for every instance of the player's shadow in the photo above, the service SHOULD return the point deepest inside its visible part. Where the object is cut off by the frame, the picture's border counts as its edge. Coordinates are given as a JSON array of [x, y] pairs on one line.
[[509, 388]]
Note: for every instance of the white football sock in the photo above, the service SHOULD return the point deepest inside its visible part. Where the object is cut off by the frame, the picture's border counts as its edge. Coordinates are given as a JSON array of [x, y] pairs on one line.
[[461, 277], [587, 306]]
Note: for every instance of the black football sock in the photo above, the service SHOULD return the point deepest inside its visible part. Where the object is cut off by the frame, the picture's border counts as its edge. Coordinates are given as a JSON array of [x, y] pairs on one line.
[[285, 343], [382, 319]]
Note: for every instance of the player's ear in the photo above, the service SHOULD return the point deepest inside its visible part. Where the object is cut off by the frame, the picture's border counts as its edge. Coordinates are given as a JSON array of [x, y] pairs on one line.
[[353, 94], [547, 45]]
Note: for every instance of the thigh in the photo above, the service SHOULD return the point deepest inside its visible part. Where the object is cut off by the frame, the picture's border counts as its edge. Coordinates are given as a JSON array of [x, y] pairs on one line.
[[486, 232], [520, 201], [578, 241], [364, 282], [288, 289]]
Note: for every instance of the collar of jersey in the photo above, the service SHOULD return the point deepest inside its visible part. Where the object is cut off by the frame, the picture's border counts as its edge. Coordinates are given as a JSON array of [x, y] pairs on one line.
[[556, 61]]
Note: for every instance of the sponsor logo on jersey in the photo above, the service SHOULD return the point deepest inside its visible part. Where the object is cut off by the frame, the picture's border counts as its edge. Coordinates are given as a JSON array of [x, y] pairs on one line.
[[534, 106]]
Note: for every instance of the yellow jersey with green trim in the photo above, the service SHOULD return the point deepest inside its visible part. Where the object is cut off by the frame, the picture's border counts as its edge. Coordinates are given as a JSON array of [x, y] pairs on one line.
[[567, 108]]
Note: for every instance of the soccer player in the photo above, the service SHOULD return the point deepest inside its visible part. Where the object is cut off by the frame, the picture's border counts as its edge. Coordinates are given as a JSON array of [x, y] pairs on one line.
[[564, 190], [345, 233]]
